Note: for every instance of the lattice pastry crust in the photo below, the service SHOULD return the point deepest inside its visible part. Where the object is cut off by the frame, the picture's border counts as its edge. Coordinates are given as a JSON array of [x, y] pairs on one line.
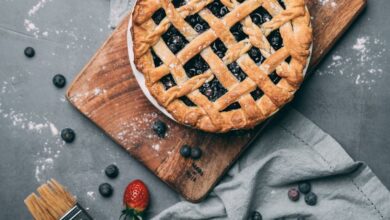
[[219, 99]]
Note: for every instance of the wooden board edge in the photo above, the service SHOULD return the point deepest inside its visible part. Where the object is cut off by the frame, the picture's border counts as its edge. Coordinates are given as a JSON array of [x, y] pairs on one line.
[[313, 65]]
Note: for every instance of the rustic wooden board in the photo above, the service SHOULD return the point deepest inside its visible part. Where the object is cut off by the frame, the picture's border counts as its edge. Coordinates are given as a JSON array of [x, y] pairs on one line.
[[106, 92]]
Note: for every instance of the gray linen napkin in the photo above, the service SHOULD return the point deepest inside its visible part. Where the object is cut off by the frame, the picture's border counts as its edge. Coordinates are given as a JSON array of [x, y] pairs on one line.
[[290, 150]]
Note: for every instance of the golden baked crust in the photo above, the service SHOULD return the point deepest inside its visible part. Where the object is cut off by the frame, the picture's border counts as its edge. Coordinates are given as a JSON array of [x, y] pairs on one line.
[[293, 23]]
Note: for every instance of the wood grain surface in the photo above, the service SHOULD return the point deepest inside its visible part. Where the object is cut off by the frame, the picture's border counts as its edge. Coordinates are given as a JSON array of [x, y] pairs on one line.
[[106, 92]]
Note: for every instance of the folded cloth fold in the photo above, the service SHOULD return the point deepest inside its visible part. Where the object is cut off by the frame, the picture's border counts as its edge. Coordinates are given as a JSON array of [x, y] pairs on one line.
[[290, 150]]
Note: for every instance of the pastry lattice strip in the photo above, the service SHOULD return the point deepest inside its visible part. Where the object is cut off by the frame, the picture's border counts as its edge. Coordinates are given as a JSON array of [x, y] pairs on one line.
[[274, 95]]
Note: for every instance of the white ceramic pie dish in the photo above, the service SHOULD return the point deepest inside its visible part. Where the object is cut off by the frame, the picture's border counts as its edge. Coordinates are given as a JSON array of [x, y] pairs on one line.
[[141, 79]]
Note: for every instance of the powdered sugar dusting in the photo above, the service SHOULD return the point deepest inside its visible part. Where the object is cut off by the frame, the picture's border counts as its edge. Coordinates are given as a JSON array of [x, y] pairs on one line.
[[40, 4], [331, 3], [362, 66]]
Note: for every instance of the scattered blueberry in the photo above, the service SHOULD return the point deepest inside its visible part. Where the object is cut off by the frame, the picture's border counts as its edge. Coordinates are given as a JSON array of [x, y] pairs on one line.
[[218, 9], [256, 216], [293, 194], [196, 153], [160, 128], [111, 171], [68, 135], [29, 52], [185, 151], [105, 189], [311, 199], [59, 80], [304, 187]]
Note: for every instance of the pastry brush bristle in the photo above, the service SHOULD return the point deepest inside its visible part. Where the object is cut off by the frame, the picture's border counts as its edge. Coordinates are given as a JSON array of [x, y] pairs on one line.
[[52, 203]]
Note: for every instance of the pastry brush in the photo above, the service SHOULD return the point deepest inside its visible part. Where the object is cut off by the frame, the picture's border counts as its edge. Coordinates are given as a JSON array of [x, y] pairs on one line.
[[54, 202]]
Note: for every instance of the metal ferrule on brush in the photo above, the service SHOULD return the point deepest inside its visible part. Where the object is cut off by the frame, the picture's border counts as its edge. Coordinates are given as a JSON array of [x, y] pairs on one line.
[[76, 213]]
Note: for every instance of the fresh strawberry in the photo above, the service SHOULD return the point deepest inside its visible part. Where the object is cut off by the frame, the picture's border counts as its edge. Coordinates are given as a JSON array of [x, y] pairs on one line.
[[135, 200]]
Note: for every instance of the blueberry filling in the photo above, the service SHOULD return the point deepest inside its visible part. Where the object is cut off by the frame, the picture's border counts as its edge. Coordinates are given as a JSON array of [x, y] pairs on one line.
[[218, 9], [232, 106], [174, 39], [281, 2], [212, 90], [288, 60], [257, 94], [240, 1], [260, 16], [178, 3], [237, 71], [274, 77], [219, 48], [187, 101], [256, 55], [197, 23], [168, 81], [157, 61], [238, 32], [195, 66], [275, 39], [158, 16]]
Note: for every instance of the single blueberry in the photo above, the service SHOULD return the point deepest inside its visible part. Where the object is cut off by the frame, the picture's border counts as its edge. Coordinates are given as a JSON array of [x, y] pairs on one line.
[[293, 194], [304, 187], [311, 199], [256, 94], [59, 81], [158, 16], [68, 135], [185, 151], [29, 52], [160, 128], [275, 39], [219, 48], [111, 171], [105, 189], [256, 216], [218, 9], [256, 55], [196, 153]]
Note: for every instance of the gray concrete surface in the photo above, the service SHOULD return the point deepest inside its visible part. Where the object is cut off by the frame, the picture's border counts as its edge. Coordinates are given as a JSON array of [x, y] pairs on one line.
[[347, 96]]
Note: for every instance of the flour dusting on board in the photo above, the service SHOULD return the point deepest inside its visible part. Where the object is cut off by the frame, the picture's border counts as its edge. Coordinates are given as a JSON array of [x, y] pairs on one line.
[[363, 66], [328, 2]]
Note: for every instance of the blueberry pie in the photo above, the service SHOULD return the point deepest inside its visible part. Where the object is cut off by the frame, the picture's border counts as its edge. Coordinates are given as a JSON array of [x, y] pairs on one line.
[[221, 65]]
